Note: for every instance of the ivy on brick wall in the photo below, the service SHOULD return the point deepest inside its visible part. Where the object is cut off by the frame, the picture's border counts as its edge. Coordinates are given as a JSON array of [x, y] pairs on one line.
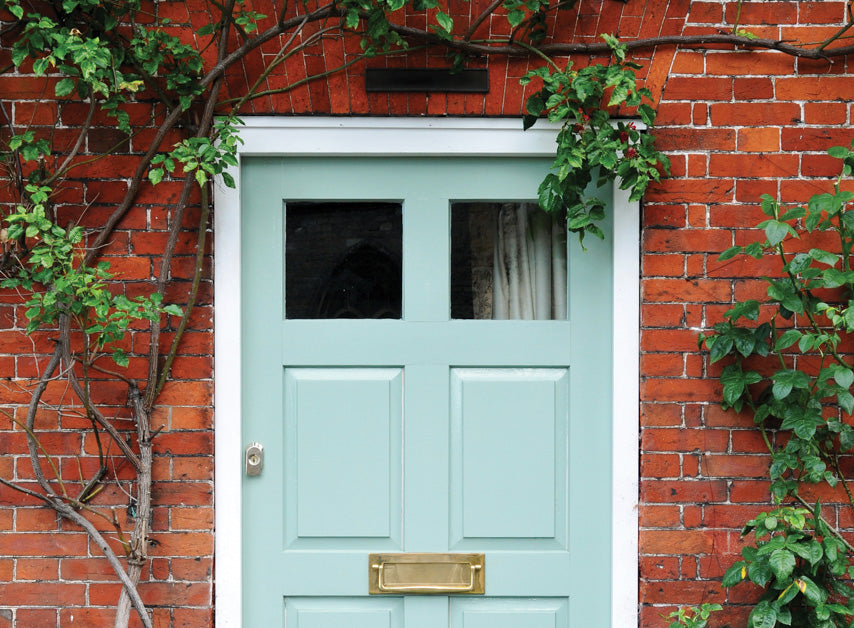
[[785, 364]]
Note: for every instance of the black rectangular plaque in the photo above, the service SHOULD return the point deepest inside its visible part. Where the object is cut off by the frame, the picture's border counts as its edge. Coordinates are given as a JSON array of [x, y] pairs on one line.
[[426, 80]]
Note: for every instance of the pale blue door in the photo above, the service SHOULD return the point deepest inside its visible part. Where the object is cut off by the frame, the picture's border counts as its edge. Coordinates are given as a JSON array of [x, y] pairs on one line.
[[415, 431]]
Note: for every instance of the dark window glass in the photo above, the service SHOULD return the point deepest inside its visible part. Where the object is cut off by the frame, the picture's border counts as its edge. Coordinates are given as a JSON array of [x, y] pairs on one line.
[[343, 260]]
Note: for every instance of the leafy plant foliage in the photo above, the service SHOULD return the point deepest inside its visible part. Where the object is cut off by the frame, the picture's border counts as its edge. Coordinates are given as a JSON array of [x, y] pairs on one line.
[[588, 143], [802, 407]]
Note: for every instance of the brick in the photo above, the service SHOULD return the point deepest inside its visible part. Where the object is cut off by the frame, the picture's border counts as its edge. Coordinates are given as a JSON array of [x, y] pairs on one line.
[[661, 389], [660, 414], [675, 542], [759, 139], [660, 466], [686, 62], [664, 265], [683, 491], [815, 138], [734, 466], [667, 439], [755, 114], [828, 12], [814, 88], [43, 593], [695, 139], [670, 241], [39, 569], [659, 517], [705, 13], [195, 569], [762, 165], [748, 63], [693, 290], [753, 88], [698, 88], [690, 191]]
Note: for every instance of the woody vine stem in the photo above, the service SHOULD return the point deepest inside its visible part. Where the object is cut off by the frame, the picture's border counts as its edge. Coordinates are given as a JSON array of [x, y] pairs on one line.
[[111, 55]]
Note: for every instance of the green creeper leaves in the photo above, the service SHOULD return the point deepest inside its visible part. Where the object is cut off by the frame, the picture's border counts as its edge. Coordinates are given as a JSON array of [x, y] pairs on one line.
[[693, 616], [78, 291], [204, 157], [590, 147], [805, 394], [791, 558]]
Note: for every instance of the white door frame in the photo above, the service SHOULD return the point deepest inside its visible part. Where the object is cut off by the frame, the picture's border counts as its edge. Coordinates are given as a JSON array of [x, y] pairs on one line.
[[290, 136]]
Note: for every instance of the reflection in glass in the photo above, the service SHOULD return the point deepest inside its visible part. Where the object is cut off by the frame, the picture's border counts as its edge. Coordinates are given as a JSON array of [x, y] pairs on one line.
[[343, 260], [508, 261]]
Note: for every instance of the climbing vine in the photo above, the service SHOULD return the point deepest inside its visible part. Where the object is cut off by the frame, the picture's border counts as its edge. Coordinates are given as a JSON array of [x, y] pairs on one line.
[[786, 366]]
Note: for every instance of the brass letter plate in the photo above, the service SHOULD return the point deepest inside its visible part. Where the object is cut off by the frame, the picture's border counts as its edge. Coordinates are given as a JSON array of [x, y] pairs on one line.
[[426, 574]]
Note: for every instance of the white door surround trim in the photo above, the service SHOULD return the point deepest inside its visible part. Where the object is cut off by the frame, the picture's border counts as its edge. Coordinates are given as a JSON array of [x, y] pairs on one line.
[[341, 136]]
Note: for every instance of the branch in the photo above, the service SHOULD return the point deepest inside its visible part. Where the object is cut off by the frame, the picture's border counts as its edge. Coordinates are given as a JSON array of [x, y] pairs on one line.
[[598, 48], [153, 387], [127, 202], [64, 346], [52, 365], [480, 18], [219, 69], [84, 131], [191, 299], [128, 586]]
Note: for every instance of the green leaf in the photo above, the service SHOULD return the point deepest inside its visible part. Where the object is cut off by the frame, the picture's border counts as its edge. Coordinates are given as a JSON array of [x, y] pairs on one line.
[[748, 309], [787, 339], [782, 561], [799, 263], [734, 574], [824, 257], [811, 590], [516, 17], [550, 195], [794, 213], [846, 401], [120, 357], [786, 380], [833, 278], [445, 21], [535, 104], [64, 87], [763, 615], [776, 231], [839, 152], [788, 594], [730, 253], [843, 376]]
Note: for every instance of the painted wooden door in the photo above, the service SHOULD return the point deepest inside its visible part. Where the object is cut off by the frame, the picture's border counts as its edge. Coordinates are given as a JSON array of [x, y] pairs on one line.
[[421, 433]]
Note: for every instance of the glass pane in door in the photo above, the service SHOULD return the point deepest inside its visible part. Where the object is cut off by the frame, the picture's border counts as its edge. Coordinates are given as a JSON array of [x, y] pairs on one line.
[[508, 261]]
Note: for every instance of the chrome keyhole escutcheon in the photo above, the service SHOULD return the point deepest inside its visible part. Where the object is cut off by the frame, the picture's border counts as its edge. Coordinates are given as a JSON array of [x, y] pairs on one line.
[[254, 459]]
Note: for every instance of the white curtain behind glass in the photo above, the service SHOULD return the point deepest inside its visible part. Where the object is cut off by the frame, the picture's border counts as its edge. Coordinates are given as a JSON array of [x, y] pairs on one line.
[[529, 280]]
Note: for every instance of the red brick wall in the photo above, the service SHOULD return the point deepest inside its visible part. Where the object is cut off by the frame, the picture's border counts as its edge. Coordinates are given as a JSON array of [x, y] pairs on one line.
[[736, 124]]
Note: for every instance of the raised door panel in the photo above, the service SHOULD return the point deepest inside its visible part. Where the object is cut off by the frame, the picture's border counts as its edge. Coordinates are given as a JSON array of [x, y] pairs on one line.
[[509, 458], [510, 613], [343, 468], [343, 613]]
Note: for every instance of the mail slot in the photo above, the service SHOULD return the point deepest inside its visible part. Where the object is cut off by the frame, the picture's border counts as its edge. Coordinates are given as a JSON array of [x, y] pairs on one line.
[[426, 574]]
